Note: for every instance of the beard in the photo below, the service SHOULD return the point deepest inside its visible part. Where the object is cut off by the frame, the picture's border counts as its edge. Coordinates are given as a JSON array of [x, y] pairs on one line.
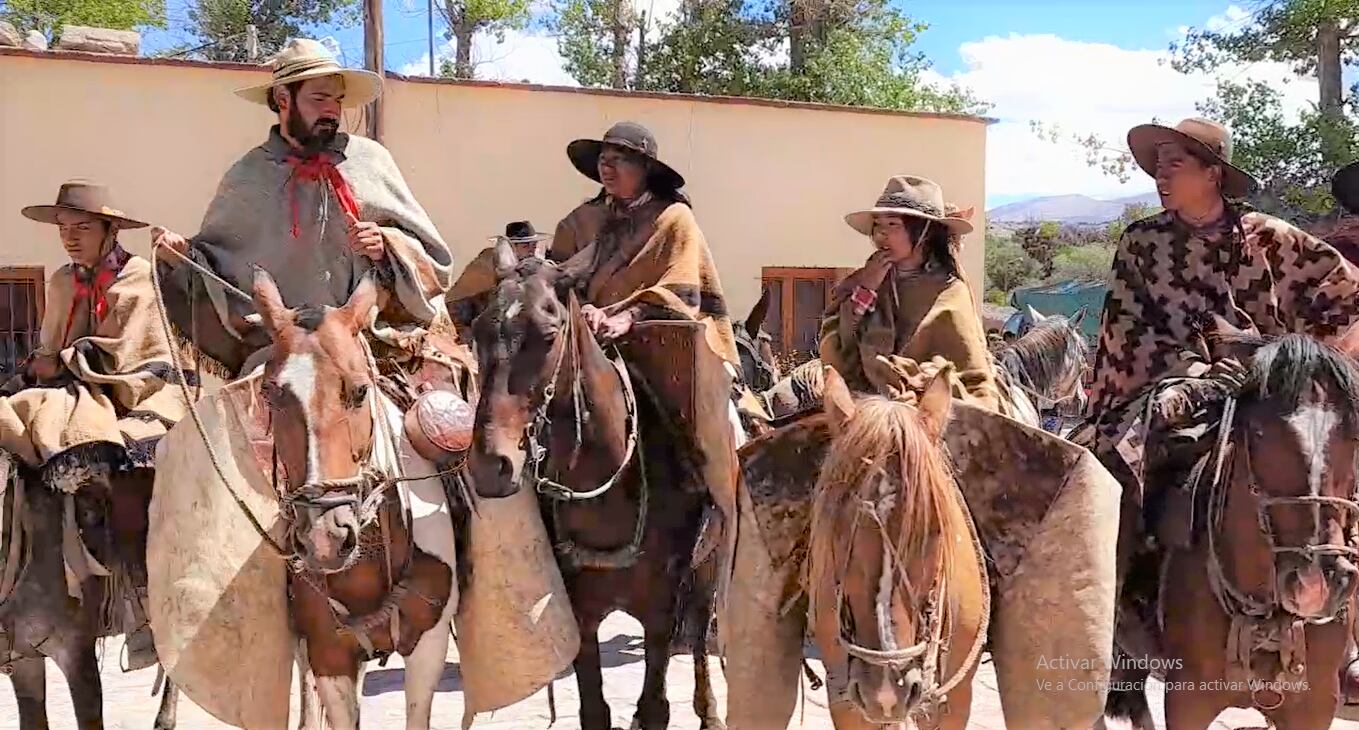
[[314, 138]]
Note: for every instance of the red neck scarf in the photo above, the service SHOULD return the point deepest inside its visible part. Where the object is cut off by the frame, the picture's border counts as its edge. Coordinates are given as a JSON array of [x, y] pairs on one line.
[[92, 288], [319, 168]]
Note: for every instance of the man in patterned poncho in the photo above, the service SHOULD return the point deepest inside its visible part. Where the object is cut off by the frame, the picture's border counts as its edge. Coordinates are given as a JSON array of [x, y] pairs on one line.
[[1203, 255]]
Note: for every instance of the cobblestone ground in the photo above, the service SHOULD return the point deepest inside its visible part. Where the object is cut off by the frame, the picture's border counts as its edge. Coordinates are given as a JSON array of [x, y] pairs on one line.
[[129, 705]]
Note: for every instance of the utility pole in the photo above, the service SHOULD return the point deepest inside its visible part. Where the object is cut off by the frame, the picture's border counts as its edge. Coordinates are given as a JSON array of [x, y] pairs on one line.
[[430, 4], [373, 61]]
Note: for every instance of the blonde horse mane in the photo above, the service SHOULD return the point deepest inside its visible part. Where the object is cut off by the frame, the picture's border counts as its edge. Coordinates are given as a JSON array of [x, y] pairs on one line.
[[926, 495]]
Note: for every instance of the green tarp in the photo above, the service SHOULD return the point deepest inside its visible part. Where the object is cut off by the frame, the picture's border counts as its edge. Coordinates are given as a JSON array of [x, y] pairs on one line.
[[1065, 298]]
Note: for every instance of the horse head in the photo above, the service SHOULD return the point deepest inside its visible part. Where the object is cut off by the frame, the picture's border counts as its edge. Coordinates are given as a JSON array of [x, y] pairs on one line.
[[524, 341], [881, 566], [755, 346], [318, 387], [1285, 521], [1048, 360]]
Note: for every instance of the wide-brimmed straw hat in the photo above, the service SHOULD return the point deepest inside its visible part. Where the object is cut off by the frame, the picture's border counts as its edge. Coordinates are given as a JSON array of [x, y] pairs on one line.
[[523, 232], [304, 59], [1205, 138], [1345, 187], [584, 153], [86, 197], [913, 196]]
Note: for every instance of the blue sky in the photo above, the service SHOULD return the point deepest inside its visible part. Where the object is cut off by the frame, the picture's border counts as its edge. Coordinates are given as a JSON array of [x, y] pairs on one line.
[[1082, 66]]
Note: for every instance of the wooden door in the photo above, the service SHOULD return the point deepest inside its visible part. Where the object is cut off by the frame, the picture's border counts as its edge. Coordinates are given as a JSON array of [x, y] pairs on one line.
[[798, 297]]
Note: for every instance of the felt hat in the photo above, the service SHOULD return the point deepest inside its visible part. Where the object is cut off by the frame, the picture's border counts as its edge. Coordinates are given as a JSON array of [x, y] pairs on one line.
[[1345, 187], [523, 232], [1207, 139], [584, 153], [83, 196], [912, 196], [304, 59]]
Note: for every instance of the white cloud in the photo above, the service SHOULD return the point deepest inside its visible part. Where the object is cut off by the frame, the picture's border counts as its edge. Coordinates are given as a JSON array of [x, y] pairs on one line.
[[521, 56], [1083, 88]]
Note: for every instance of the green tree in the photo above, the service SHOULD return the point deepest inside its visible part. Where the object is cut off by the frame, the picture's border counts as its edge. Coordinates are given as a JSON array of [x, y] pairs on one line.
[[220, 25], [1008, 266], [1082, 263], [1132, 213], [466, 18], [594, 38], [48, 16], [710, 48], [1316, 37]]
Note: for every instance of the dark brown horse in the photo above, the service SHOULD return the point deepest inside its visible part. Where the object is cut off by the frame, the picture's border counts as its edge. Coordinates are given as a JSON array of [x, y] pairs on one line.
[[363, 584], [1257, 610], [560, 415], [39, 619]]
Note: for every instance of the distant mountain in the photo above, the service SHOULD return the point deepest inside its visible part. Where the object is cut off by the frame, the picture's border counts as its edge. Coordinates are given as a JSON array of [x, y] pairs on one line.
[[1069, 209]]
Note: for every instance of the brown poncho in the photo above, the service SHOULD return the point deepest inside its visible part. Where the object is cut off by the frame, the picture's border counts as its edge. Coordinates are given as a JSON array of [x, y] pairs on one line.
[[1263, 273], [919, 317], [124, 393], [651, 254]]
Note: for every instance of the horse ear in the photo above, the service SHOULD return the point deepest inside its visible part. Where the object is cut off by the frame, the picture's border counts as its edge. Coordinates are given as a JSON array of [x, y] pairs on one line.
[[757, 314], [361, 302], [936, 404], [836, 400], [1077, 318], [274, 315], [579, 265], [1034, 314], [505, 259]]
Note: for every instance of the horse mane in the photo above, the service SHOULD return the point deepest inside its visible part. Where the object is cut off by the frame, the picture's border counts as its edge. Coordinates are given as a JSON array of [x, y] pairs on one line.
[[1286, 367], [879, 430], [1038, 357]]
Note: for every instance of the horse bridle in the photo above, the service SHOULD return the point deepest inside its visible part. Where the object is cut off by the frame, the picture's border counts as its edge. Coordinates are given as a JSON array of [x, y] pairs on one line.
[[931, 652], [536, 456], [1232, 600]]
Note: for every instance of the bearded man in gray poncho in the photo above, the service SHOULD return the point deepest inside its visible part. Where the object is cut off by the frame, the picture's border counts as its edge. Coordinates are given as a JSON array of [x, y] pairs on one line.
[[318, 209]]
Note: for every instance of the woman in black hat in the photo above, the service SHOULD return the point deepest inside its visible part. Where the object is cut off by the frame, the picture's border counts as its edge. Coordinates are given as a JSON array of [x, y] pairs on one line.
[[648, 258]]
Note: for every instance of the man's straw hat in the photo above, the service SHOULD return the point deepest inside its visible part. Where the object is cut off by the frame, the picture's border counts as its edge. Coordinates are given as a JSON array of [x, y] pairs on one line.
[[1206, 139], [304, 59]]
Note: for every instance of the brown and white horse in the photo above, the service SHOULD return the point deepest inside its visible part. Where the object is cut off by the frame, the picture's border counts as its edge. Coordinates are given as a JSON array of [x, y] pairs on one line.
[[1257, 610], [368, 517], [898, 594]]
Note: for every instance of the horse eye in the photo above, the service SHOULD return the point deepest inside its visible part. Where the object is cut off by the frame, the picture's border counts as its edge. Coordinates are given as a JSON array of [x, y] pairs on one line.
[[356, 395]]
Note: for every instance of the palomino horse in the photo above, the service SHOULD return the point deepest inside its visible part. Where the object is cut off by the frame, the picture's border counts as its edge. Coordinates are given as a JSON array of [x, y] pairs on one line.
[[559, 415], [374, 568], [897, 586], [1043, 368], [1263, 597]]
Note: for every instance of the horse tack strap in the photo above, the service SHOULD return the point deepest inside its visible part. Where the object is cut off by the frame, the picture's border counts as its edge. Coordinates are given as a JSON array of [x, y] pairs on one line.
[[561, 492]]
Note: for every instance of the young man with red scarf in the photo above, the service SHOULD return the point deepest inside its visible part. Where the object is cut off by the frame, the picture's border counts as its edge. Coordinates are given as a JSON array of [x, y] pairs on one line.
[[100, 388], [315, 207]]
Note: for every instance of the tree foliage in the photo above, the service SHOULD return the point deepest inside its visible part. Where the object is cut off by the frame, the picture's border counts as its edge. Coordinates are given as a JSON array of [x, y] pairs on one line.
[[467, 18], [221, 24], [1008, 266], [1082, 263], [48, 16], [854, 52]]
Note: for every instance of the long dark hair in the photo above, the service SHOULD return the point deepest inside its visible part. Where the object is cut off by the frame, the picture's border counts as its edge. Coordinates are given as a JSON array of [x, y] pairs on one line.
[[941, 244]]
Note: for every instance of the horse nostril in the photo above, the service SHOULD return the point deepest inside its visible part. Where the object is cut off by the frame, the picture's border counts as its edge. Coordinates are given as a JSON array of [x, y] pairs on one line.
[[351, 540], [506, 467]]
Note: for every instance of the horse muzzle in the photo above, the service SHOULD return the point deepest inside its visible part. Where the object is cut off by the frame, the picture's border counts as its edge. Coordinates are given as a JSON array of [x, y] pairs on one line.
[[329, 540], [1317, 589], [884, 695]]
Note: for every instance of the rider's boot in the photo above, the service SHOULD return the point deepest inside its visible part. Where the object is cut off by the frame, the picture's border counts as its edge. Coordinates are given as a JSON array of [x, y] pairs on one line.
[[1349, 672]]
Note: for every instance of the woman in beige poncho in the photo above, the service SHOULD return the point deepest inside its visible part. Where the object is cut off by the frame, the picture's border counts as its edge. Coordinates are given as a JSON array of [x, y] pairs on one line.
[[910, 299]]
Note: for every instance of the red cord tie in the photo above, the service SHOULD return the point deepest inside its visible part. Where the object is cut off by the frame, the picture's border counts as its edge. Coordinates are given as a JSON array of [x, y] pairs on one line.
[[94, 285], [319, 168]]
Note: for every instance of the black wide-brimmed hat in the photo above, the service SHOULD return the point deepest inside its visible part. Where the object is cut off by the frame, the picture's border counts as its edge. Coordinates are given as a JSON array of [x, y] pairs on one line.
[[584, 153], [1345, 187], [83, 196], [523, 232]]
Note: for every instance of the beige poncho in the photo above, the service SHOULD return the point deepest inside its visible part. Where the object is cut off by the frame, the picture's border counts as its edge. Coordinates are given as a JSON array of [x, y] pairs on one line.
[[124, 394], [919, 317], [264, 198]]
